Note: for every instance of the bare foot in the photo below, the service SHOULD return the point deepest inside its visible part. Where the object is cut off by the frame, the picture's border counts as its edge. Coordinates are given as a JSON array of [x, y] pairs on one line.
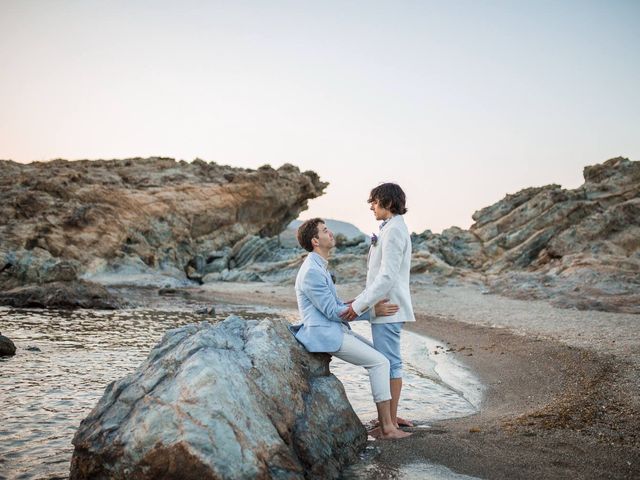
[[402, 422], [395, 434]]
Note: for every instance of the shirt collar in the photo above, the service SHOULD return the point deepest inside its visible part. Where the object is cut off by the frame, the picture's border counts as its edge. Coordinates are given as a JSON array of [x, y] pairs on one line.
[[319, 260], [386, 221]]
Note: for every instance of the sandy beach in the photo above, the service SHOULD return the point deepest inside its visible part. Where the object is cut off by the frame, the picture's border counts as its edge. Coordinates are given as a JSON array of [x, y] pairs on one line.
[[562, 386]]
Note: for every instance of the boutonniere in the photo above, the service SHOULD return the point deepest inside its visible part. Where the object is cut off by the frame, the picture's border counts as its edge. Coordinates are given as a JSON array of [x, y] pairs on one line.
[[374, 239]]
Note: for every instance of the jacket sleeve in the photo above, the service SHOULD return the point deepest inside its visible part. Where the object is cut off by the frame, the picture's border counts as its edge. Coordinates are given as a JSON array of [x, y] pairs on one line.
[[316, 288], [392, 254]]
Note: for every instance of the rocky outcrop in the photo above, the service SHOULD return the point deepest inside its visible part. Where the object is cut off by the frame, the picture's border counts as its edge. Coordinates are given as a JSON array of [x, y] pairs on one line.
[[7, 347], [576, 248], [64, 295], [103, 220], [255, 259], [579, 248], [241, 399]]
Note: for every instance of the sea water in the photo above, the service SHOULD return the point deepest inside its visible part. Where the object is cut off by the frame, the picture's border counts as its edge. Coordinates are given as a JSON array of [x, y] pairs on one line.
[[65, 359]]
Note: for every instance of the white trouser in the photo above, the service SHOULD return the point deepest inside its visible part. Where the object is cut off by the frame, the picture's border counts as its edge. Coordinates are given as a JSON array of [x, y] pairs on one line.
[[357, 351]]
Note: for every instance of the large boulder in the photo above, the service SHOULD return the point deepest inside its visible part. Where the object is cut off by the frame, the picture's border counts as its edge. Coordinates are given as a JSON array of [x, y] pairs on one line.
[[240, 399]]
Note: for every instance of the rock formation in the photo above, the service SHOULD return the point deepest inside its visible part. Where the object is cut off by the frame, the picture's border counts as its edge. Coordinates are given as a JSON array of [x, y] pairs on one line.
[[63, 220], [577, 248], [580, 248], [241, 399]]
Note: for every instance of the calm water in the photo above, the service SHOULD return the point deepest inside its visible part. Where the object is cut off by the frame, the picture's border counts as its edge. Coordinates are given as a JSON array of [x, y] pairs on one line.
[[66, 359]]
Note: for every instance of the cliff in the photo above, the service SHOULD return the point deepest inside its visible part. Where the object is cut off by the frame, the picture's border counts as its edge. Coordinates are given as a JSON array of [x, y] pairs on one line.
[[61, 220]]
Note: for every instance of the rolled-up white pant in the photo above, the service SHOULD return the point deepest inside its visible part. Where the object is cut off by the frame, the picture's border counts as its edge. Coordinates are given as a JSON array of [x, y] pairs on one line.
[[358, 351]]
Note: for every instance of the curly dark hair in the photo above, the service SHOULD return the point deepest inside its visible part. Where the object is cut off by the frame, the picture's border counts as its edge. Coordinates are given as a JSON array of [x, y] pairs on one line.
[[389, 196], [308, 231]]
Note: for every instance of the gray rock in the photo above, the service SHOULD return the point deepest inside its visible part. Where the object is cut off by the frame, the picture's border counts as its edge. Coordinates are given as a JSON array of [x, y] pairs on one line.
[[587, 238], [252, 249], [216, 266], [239, 276], [19, 267], [216, 254], [241, 399], [7, 347], [206, 311], [212, 277]]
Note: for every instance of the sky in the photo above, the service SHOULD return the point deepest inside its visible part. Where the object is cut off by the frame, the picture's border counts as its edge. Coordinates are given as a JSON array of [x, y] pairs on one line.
[[460, 102]]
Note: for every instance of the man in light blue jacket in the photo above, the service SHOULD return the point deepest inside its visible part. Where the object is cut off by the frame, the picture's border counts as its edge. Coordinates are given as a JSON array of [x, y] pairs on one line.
[[323, 330]]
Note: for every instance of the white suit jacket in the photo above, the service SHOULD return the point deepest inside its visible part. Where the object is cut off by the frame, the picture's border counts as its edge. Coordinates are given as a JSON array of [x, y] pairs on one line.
[[388, 269]]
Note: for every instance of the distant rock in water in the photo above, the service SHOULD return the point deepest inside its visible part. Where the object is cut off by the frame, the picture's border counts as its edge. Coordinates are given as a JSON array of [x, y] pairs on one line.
[[578, 248], [7, 347], [105, 220], [240, 399]]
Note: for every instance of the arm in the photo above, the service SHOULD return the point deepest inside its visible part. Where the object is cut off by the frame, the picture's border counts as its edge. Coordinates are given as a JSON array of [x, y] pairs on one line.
[[392, 254]]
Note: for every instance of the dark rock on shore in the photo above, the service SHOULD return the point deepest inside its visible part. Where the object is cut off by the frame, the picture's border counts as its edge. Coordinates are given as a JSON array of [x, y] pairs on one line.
[[241, 399], [7, 347], [67, 295]]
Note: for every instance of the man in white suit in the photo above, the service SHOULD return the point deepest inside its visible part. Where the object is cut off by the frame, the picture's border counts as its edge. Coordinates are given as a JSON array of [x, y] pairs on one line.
[[388, 268]]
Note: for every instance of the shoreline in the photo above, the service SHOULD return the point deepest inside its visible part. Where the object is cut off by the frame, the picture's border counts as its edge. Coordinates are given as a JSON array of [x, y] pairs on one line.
[[552, 408]]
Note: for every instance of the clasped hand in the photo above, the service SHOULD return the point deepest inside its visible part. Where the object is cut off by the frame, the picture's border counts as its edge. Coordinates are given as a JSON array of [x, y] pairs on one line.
[[383, 309]]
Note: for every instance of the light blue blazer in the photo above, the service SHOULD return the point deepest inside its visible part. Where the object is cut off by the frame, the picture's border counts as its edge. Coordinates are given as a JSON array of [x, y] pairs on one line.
[[321, 329]]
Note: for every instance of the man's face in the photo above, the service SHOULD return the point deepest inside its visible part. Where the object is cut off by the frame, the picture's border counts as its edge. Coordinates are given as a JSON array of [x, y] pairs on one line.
[[325, 237], [379, 211]]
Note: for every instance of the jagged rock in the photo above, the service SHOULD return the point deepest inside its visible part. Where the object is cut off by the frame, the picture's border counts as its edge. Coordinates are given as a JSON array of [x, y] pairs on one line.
[[7, 347], [238, 276], [454, 246], [217, 261], [146, 215], [252, 249], [507, 205], [587, 238], [21, 267], [241, 399], [67, 295]]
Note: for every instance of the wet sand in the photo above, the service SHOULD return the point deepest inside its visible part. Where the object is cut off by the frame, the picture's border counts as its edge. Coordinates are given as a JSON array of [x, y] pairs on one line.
[[560, 402]]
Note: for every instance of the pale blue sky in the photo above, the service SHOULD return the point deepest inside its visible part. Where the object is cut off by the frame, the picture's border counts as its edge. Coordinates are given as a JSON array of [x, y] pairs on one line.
[[460, 102]]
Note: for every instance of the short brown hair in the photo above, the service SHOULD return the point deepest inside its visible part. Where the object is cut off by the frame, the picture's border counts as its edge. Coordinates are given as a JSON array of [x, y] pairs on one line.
[[308, 231], [391, 197]]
